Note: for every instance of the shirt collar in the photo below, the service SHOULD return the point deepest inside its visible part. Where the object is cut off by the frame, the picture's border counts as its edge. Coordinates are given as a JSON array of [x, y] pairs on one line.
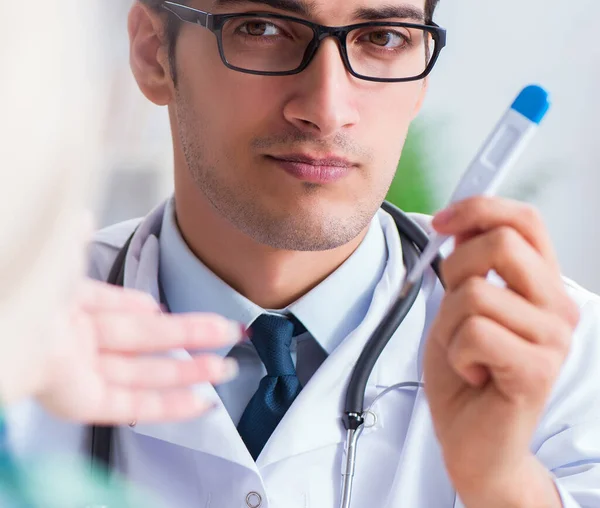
[[330, 311]]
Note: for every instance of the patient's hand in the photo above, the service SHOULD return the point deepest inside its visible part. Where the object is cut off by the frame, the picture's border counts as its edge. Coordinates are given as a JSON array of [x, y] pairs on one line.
[[108, 368]]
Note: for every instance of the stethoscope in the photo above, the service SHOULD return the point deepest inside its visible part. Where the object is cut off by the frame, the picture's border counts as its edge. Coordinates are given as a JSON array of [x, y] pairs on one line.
[[414, 240]]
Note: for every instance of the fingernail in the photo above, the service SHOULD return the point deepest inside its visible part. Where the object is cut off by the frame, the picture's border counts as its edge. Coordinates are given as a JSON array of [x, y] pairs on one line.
[[246, 333], [444, 217], [213, 407], [205, 408], [230, 369], [235, 332]]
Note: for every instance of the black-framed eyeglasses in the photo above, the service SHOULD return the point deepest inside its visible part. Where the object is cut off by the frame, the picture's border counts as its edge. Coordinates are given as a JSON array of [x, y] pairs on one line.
[[276, 45]]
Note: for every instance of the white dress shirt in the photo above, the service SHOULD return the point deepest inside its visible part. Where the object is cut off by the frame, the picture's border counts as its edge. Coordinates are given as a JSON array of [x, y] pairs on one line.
[[329, 312]]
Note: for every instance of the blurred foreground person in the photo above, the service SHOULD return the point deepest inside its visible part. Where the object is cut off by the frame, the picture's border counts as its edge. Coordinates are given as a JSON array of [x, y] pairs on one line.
[[87, 351]]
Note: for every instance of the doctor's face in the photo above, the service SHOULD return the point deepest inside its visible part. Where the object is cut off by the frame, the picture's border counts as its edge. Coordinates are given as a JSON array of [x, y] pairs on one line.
[[303, 161]]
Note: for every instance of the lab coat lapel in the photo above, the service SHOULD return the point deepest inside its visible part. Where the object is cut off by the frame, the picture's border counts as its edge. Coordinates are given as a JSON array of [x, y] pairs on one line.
[[141, 263], [314, 419], [213, 433]]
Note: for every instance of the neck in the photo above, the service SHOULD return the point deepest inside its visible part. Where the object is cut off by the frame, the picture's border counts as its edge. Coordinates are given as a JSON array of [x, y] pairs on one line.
[[271, 278]]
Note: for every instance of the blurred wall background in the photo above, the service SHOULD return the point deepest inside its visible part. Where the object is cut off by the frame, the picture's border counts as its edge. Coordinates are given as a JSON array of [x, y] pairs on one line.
[[494, 49]]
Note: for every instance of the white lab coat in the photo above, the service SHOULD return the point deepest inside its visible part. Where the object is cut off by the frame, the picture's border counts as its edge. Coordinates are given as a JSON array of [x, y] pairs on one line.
[[204, 463]]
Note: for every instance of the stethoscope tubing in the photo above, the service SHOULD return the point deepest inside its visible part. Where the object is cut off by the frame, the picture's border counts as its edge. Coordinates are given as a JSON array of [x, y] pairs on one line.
[[414, 240]]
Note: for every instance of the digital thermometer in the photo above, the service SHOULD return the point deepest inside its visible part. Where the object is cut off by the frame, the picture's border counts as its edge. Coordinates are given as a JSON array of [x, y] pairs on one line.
[[498, 154]]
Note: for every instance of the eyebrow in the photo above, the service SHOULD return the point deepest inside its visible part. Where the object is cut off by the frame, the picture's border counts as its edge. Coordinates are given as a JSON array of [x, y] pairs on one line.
[[301, 7], [306, 8], [390, 11]]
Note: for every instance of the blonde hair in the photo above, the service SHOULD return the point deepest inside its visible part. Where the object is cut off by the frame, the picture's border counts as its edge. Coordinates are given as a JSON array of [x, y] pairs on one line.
[[51, 90]]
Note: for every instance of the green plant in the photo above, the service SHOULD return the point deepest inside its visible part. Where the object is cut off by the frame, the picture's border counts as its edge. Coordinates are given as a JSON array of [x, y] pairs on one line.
[[413, 188]]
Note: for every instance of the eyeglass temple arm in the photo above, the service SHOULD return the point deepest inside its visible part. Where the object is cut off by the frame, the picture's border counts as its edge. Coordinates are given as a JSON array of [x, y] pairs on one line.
[[187, 14]]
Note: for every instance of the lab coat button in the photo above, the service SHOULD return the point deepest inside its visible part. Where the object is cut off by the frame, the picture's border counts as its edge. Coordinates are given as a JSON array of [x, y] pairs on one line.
[[253, 500]]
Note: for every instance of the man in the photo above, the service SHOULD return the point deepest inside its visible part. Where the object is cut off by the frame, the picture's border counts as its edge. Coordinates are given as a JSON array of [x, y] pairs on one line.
[[284, 151]]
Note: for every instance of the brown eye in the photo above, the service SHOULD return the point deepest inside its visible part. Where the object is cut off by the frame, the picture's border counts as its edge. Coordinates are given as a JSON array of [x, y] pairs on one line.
[[259, 28], [386, 39]]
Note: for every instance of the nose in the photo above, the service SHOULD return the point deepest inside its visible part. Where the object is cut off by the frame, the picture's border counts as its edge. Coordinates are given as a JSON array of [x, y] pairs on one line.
[[322, 103]]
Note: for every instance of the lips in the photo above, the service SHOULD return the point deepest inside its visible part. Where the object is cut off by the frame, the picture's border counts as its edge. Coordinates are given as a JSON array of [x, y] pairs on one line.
[[309, 169]]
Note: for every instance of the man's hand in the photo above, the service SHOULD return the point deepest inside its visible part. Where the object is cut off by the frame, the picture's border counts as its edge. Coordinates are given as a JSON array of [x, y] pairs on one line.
[[107, 371], [494, 353]]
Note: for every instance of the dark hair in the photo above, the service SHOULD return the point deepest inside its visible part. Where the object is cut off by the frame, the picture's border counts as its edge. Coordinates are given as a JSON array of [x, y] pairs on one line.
[[172, 26]]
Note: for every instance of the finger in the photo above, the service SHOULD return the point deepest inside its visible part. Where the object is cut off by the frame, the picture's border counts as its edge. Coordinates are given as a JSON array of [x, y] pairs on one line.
[[123, 406], [477, 297], [518, 368], [480, 214], [519, 265], [100, 296], [166, 372], [159, 332]]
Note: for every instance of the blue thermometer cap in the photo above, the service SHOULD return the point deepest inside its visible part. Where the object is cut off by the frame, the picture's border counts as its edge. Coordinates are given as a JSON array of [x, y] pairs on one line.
[[533, 103]]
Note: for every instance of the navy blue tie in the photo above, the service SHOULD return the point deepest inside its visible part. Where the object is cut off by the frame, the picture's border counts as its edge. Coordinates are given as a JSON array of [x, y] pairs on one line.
[[272, 337]]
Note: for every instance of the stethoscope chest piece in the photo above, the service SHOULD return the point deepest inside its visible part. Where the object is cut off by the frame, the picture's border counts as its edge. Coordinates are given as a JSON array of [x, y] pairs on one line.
[[370, 419]]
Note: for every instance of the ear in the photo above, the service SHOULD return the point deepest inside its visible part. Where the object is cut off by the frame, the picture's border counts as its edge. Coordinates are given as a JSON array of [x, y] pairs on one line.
[[149, 56], [421, 98]]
